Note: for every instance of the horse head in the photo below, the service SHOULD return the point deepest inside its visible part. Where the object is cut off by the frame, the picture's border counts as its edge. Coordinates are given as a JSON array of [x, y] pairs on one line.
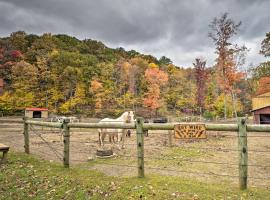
[[130, 117]]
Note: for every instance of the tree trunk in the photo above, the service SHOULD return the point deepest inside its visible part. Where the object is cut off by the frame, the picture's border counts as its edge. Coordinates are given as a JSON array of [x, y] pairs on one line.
[[201, 114], [225, 106], [234, 104]]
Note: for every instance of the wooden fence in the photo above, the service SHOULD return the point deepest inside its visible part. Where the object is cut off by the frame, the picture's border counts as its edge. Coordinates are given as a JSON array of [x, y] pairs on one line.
[[241, 128]]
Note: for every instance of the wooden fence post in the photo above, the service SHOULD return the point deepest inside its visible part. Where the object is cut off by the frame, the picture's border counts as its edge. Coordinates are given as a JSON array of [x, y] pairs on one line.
[[170, 133], [140, 146], [66, 142], [26, 136], [243, 153]]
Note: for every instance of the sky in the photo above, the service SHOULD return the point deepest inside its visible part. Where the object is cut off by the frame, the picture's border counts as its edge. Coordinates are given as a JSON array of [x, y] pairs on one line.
[[177, 29]]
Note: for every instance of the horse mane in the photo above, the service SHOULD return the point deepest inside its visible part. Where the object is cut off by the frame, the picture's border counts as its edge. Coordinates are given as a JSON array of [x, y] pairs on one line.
[[119, 119], [123, 114]]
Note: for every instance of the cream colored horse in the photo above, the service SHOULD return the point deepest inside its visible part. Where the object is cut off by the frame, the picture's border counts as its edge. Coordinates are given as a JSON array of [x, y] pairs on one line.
[[120, 134]]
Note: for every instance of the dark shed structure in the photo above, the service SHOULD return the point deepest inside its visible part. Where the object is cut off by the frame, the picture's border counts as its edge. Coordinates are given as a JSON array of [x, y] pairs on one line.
[[261, 108], [36, 112], [262, 115]]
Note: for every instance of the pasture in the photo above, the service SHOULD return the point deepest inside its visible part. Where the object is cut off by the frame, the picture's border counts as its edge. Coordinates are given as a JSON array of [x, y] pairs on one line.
[[211, 161]]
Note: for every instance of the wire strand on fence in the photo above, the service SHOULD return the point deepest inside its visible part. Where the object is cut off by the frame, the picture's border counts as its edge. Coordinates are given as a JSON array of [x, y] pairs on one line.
[[46, 146], [76, 152], [260, 185], [58, 155], [178, 159], [265, 136], [85, 142], [176, 170], [193, 161], [193, 172], [42, 153], [259, 178], [116, 164], [210, 148], [81, 161]]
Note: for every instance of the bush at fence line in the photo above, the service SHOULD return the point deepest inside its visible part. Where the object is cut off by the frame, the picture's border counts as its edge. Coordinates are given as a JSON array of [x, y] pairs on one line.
[[208, 115]]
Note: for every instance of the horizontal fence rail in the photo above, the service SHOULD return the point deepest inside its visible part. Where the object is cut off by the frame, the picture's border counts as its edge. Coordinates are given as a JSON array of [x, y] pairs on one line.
[[258, 128], [103, 125], [167, 126], [210, 127], [241, 129], [11, 121], [47, 124]]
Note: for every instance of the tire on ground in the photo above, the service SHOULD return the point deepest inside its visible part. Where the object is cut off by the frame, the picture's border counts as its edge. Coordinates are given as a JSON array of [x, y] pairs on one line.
[[104, 152]]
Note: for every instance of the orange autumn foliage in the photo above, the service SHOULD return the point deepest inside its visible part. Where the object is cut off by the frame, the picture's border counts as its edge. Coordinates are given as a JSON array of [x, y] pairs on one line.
[[155, 79], [154, 75], [264, 85], [230, 75], [95, 85], [96, 88], [152, 97]]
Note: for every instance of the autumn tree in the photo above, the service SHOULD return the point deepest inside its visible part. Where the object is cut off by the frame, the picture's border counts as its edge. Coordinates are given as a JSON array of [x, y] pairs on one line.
[[127, 83], [131, 82], [261, 73], [265, 46], [24, 85], [109, 90], [75, 103], [263, 69], [96, 89], [155, 79], [41, 47], [18, 41], [164, 62], [8, 58], [223, 29], [201, 76], [263, 85]]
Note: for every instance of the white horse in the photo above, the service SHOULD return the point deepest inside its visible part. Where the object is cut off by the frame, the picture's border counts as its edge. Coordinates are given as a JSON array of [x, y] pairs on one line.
[[71, 119], [120, 134]]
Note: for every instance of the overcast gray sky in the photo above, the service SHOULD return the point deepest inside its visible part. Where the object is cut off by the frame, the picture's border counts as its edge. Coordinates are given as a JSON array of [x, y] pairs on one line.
[[177, 29]]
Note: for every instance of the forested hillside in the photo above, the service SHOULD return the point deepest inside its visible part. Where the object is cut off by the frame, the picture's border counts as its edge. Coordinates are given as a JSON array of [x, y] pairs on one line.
[[72, 76]]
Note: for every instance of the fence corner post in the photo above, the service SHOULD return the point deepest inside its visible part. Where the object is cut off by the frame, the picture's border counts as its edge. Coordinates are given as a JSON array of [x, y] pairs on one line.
[[26, 136], [243, 153], [140, 146], [66, 143]]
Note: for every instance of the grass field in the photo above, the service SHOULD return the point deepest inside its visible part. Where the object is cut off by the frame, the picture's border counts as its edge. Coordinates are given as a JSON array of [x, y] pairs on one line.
[[28, 177]]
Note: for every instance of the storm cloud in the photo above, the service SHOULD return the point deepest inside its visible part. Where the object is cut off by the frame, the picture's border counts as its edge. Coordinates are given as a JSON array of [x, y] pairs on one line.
[[176, 29]]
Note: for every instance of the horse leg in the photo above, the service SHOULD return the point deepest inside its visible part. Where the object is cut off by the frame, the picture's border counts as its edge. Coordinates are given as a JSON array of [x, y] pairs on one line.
[[128, 133], [103, 135], [122, 136], [145, 132], [115, 140], [99, 139], [110, 138]]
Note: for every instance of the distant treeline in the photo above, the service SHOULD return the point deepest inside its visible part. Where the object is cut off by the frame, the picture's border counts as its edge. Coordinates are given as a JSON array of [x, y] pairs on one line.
[[72, 76]]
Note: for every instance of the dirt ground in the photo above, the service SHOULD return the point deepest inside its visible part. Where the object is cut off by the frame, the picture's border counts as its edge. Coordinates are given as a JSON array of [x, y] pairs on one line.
[[212, 160]]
